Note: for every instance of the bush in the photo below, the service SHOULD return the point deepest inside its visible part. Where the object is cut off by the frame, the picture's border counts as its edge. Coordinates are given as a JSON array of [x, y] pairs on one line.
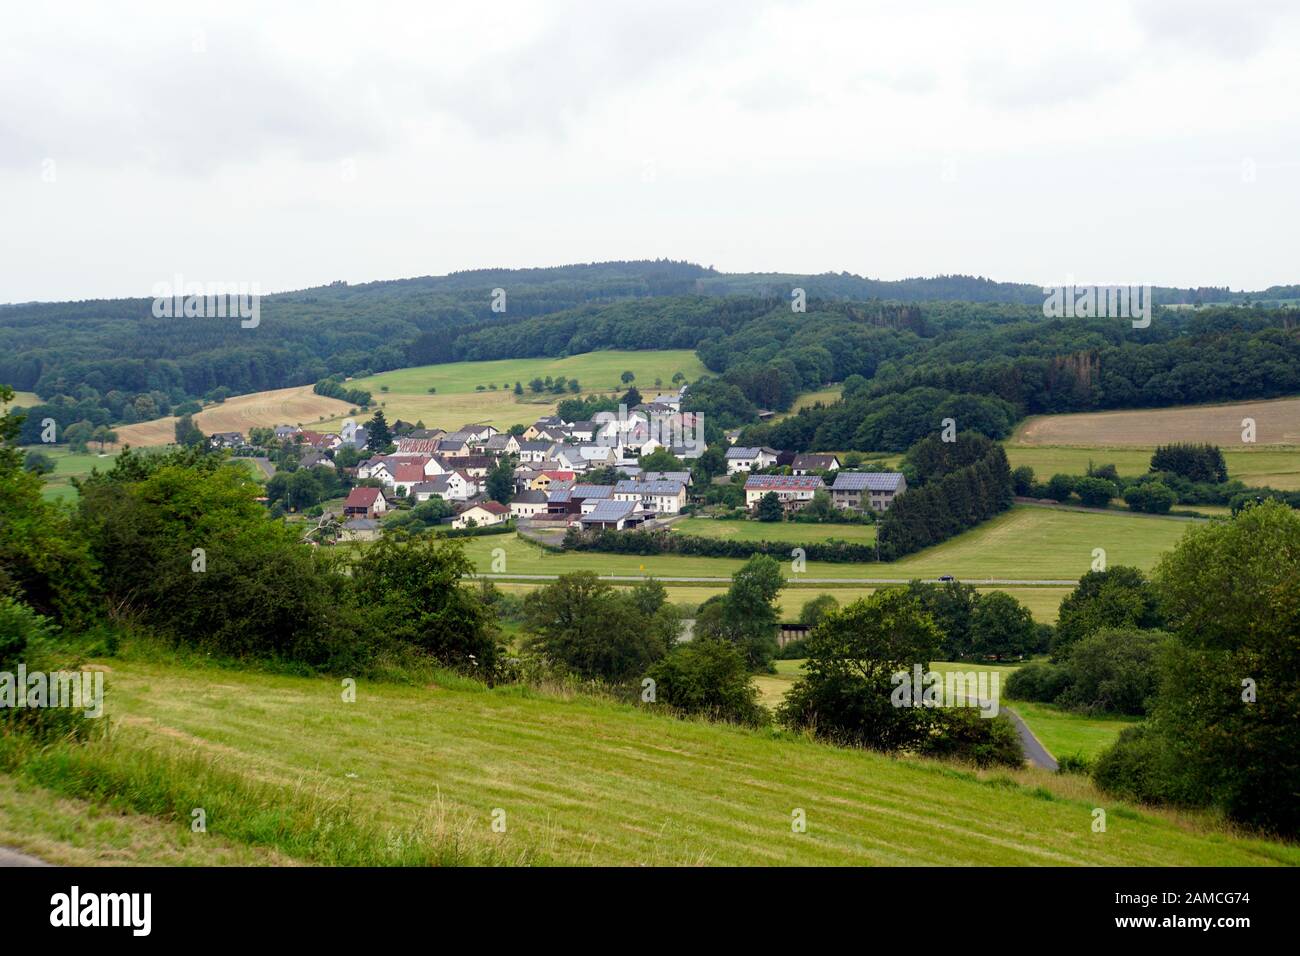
[[1138, 767], [1115, 670], [20, 627], [1151, 497], [1022, 480], [815, 611], [1061, 487], [1095, 492], [1037, 681], [960, 733], [708, 677]]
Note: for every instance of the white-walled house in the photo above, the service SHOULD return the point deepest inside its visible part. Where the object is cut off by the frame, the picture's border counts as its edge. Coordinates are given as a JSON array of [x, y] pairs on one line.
[[661, 497], [743, 458], [795, 491]]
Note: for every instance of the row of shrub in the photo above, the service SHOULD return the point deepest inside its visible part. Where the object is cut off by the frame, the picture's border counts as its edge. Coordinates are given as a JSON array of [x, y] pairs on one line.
[[668, 542]]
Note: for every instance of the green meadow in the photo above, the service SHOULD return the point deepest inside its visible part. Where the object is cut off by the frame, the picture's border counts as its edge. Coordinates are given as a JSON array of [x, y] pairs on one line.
[[1025, 543], [1270, 466], [423, 772]]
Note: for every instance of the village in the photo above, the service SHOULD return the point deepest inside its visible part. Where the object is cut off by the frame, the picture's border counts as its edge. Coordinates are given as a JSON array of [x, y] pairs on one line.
[[556, 474]]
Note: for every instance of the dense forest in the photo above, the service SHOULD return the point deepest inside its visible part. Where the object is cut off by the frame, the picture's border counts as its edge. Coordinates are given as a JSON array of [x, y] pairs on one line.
[[973, 349]]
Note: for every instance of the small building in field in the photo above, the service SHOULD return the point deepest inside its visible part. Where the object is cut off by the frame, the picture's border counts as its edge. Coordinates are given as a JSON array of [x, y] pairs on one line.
[[661, 497]]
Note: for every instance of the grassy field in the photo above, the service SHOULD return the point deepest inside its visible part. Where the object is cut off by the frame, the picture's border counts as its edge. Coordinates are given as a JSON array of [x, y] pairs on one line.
[[68, 832], [1277, 422], [1066, 734], [1025, 543], [68, 465], [280, 406], [1052, 444], [1274, 467], [583, 781], [789, 531], [827, 396], [23, 400], [457, 402]]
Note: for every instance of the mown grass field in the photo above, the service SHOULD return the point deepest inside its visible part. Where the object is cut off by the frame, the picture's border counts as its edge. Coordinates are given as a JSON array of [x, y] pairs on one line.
[[457, 402], [788, 531], [585, 781], [1277, 422], [1024, 543], [1066, 734], [1273, 467], [281, 406], [69, 832]]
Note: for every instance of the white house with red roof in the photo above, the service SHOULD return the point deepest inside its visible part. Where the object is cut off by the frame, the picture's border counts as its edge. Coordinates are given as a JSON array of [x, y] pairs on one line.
[[365, 503]]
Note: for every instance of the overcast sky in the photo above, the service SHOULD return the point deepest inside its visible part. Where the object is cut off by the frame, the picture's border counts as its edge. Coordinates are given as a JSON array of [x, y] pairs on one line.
[[1041, 142]]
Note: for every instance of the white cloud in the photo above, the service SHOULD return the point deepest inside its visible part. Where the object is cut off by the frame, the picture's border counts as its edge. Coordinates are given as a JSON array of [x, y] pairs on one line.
[[365, 141]]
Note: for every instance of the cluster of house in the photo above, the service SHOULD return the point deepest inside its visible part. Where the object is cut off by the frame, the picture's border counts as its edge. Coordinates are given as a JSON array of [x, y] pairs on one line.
[[858, 490], [552, 458]]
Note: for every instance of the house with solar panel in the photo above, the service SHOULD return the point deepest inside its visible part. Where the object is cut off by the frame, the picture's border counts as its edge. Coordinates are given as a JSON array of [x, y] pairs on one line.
[[863, 490], [794, 491], [613, 515]]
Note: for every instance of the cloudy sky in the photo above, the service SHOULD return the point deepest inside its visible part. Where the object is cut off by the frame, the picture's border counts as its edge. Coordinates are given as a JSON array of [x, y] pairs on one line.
[[1042, 142]]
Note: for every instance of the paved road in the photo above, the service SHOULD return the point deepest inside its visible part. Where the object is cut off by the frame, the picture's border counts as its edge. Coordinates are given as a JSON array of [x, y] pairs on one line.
[[14, 858], [793, 579], [1035, 752]]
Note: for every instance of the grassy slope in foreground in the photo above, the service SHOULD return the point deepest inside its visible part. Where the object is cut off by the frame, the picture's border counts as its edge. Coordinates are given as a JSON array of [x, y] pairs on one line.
[[69, 832], [1025, 543], [591, 782]]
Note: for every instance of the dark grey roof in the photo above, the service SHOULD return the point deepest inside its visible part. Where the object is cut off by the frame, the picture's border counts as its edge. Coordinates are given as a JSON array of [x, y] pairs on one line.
[[530, 498], [610, 511], [867, 481], [649, 487]]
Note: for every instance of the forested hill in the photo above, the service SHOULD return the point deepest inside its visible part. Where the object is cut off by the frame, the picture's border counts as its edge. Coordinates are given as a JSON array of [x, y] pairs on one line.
[[112, 361]]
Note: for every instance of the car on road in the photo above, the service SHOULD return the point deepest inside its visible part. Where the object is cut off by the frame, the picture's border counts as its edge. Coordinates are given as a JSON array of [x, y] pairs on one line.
[[946, 577]]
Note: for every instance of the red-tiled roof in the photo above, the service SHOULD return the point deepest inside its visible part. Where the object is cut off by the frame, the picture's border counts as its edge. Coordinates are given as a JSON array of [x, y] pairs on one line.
[[361, 497]]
